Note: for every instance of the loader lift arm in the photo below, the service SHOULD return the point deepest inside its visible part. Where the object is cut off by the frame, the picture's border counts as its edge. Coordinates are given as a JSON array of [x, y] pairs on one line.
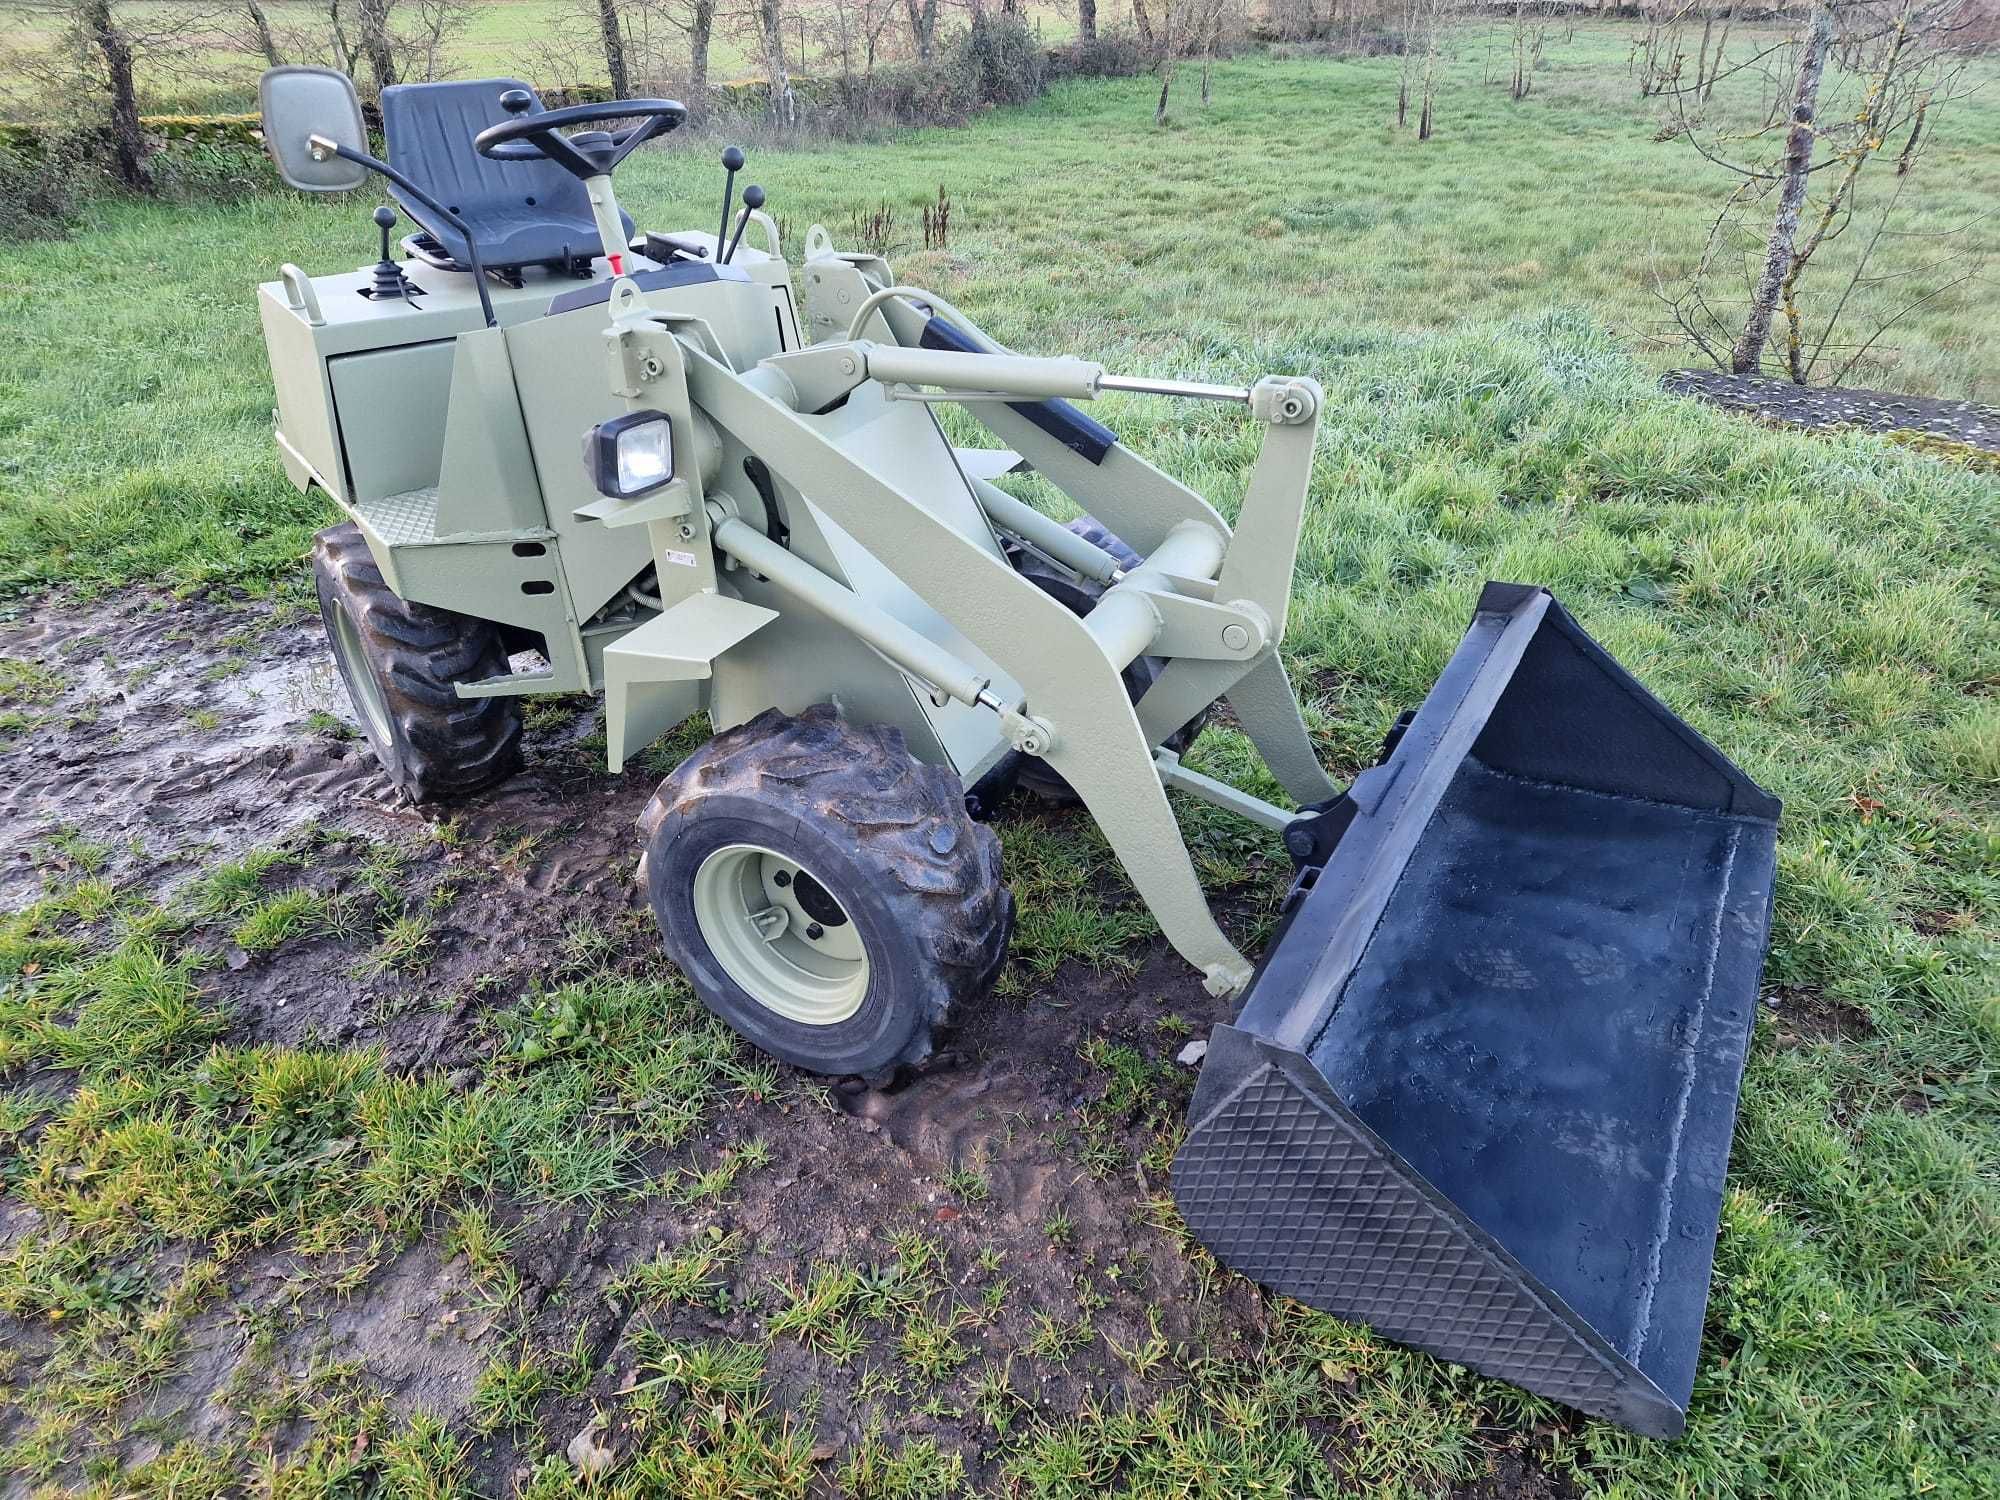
[[1073, 711]]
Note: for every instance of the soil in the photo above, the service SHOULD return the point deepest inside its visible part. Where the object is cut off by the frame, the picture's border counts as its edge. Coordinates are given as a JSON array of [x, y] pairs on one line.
[[181, 734], [1789, 405], [1806, 1016]]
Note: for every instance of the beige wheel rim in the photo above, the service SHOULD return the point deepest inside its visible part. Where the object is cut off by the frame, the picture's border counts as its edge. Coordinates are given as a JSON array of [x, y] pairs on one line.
[[780, 934], [362, 688]]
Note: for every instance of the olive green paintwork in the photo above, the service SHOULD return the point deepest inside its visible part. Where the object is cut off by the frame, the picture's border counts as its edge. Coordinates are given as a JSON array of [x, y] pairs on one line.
[[820, 538]]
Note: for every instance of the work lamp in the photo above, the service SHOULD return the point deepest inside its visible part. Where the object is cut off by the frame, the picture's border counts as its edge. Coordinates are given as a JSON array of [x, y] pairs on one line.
[[630, 455]]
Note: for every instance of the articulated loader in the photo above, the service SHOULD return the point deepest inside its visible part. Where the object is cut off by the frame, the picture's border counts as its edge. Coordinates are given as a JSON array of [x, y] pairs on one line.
[[1480, 1091]]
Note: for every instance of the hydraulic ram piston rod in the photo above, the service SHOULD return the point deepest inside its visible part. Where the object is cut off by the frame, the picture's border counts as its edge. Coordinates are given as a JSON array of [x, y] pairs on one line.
[[1059, 378], [914, 653]]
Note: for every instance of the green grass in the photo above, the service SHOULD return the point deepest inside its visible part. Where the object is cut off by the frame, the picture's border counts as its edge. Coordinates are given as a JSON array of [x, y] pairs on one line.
[[1822, 607]]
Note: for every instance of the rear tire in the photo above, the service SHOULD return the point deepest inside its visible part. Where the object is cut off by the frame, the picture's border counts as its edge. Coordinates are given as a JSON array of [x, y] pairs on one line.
[[402, 664], [824, 891], [1079, 596]]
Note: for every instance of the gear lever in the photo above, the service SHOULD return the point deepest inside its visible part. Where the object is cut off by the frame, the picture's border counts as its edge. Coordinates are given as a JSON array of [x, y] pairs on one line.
[[732, 163], [389, 280], [753, 199]]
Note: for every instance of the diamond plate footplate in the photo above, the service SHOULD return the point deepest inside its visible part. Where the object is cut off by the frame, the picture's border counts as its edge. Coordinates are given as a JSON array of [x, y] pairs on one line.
[[405, 520], [1304, 1198]]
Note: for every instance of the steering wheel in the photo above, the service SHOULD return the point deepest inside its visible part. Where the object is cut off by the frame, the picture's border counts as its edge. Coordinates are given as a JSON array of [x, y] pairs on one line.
[[588, 153]]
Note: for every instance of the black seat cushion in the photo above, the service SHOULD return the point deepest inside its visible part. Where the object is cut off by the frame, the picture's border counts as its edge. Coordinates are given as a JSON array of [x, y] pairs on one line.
[[522, 213]]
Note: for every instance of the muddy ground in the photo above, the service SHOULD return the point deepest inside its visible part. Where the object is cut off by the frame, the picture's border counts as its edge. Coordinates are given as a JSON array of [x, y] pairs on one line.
[[182, 734], [1842, 408]]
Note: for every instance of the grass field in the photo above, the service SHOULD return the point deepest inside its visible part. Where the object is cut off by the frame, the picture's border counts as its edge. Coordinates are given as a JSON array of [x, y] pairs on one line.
[[1824, 608]]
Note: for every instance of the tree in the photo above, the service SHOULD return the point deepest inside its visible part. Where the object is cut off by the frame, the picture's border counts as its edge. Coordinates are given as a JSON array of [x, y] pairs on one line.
[[86, 64], [375, 43], [1086, 21], [267, 43], [613, 33], [923, 27], [1889, 67], [700, 27], [1425, 24], [1780, 250], [1187, 28], [128, 138], [771, 31]]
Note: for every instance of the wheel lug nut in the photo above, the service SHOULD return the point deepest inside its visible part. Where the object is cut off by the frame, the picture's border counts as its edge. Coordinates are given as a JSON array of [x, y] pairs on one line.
[[814, 932], [781, 879]]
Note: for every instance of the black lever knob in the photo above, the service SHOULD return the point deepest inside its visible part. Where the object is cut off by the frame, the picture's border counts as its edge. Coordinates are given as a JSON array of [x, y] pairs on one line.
[[732, 158], [517, 101], [753, 196]]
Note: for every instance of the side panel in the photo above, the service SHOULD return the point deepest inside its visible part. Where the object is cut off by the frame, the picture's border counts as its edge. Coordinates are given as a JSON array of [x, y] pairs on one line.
[[563, 374], [562, 371], [391, 407], [487, 479], [305, 409]]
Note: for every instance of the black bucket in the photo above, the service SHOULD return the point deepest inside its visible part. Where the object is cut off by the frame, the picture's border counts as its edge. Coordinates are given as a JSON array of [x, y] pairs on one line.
[[1481, 1092]]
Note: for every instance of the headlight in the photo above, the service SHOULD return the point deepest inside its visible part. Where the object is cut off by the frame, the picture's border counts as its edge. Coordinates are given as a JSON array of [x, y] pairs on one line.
[[630, 455]]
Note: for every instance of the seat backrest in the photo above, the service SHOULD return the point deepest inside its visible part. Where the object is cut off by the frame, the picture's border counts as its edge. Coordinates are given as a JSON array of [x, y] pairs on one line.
[[521, 213]]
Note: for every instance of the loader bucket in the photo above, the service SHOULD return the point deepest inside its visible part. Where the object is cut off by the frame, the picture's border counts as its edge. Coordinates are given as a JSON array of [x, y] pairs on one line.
[[1481, 1091]]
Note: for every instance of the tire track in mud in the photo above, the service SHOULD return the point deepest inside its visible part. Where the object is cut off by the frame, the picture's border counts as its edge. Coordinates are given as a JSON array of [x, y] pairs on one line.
[[184, 734]]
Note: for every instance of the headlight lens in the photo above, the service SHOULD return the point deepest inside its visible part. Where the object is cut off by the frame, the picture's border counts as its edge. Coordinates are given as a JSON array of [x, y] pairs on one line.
[[630, 455]]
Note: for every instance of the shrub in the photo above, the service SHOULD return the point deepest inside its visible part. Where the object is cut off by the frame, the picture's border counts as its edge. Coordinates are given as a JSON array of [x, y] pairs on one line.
[[42, 189], [210, 171], [999, 59], [1112, 54]]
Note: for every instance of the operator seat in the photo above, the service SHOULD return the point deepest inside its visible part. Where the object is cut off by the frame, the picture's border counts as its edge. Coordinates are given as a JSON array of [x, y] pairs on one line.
[[522, 213]]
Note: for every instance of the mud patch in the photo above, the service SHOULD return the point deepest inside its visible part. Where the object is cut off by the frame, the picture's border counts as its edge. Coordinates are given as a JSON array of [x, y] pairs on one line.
[[1836, 407], [1025, 1165], [1803, 1017]]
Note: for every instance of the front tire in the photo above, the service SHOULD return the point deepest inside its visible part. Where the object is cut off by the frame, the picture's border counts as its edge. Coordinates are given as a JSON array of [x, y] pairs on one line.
[[402, 664], [824, 891]]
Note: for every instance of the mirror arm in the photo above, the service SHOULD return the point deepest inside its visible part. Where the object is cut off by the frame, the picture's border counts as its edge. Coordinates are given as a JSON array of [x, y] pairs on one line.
[[361, 158]]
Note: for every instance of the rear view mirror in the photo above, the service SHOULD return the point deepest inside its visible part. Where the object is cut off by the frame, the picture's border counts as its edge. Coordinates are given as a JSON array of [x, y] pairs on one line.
[[301, 104]]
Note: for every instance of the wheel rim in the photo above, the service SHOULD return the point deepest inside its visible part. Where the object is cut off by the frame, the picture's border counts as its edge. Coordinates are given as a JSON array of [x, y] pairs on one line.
[[362, 688], [779, 933]]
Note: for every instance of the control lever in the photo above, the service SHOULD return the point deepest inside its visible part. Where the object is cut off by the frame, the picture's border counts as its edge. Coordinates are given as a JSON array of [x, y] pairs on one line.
[[389, 281], [753, 199], [732, 163]]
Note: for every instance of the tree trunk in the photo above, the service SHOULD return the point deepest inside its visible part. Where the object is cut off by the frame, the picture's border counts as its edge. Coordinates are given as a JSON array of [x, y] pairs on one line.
[[342, 49], [614, 48], [923, 27], [1166, 83], [1086, 21], [375, 42], [266, 43], [1749, 350], [128, 141], [1145, 23], [701, 26], [771, 17], [1430, 83]]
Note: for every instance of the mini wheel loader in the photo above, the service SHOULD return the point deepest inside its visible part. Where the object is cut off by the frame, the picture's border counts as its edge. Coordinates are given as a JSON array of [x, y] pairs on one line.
[[1480, 1091]]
